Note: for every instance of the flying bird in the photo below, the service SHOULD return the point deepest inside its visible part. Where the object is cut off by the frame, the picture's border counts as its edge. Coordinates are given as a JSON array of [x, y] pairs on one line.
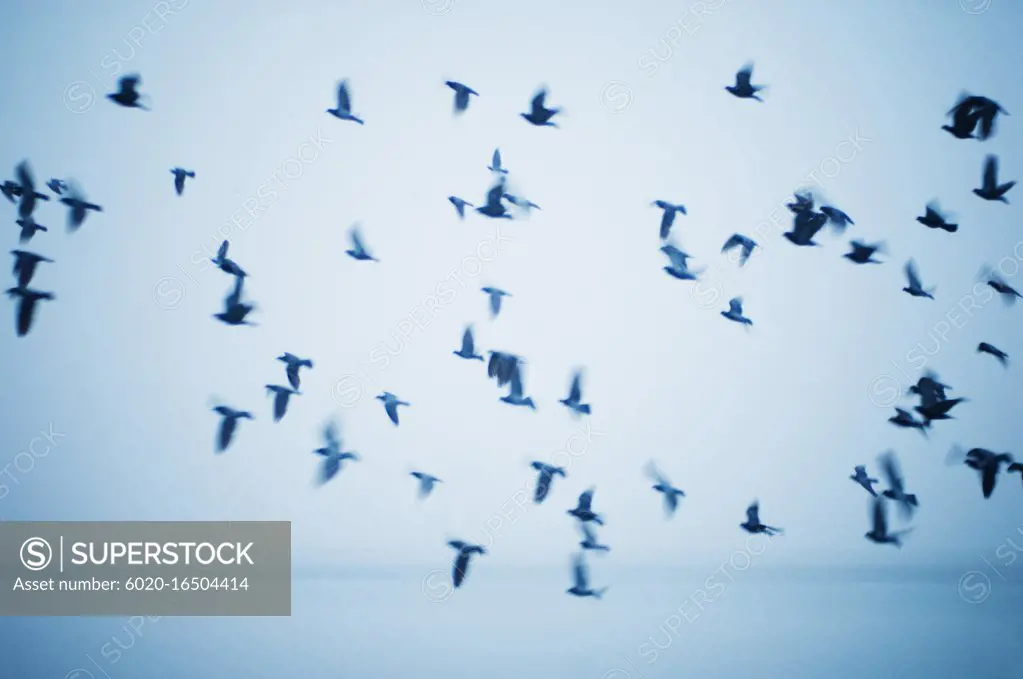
[[863, 253], [985, 348], [495, 299], [583, 510], [861, 477], [462, 93], [737, 240], [544, 479], [26, 192], [495, 163], [494, 207], [679, 268], [668, 215], [915, 287], [502, 366], [225, 264], [904, 419], [523, 204], [391, 403], [590, 540], [971, 111], [933, 219], [802, 201], [235, 310], [990, 189], [29, 227], [580, 580], [896, 484], [574, 400], [836, 218], [292, 365], [80, 207], [1015, 467], [754, 525], [742, 87], [358, 250], [930, 389], [334, 457], [426, 483], [281, 396], [25, 266], [460, 205], [987, 463], [27, 300], [663, 486], [465, 552], [734, 312], [539, 114], [228, 424], [58, 186], [127, 93], [468, 350], [179, 179], [938, 410], [344, 105], [997, 283], [879, 528], [805, 225], [515, 393]]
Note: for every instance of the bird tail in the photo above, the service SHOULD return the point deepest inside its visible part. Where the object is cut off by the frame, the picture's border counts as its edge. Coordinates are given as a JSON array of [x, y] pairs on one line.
[[599, 593], [585, 408]]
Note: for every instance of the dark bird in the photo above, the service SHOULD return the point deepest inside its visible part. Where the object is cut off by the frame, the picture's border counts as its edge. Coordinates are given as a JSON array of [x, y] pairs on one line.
[[26, 191], [465, 552], [896, 485], [225, 264], [426, 483], [583, 510], [802, 201], [358, 250], [25, 266], [668, 215], [281, 396], [468, 350], [516, 395], [58, 186], [986, 348], [228, 423], [915, 287], [523, 204], [494, 207], [990, 189], [904, 419], [933, 219], [988, 464], [753, 524], [539, 114], [662, 485], [964, 118], [391, 403], [75, 200], [11, 190], [544, 479], [734, 312], [742, 87], [574, 400], [502, 366], [737, 240], [929, 389], [462, 93], [127, 93], [863, 253], [334, 457], [344, 104], [997, 283], [879, 531], [836, 218], [805, 225], [590, 540], [292, 365], [679, 268], [1015, 467], [861, 477], [495, 163], [235, 310], [179, 179], [938, 410], [460, 205], [27, 300], [495, 295], [28, 229], [581, 580]]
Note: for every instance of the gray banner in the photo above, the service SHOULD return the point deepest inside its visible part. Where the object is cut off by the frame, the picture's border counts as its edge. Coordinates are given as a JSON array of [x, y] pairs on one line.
[[160, 568]]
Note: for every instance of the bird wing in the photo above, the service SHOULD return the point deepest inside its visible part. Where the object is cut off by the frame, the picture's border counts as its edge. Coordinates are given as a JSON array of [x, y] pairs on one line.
[[292, 372], [913, 275], [579, 577], [543, 485], [733, 241], [494, 364], [461, 567], [670, 502], [332, 435], [495, 302], [537, 105], [496, 161], [392, 410], [516, 383], [227, 426], [880, 522], [467, 343], [26, 310], [753, 513], [588, 533], [357, 240], [280, 403], [991, 172], [575, 392], [678, 257], [988, 476], [890, 469], [735, 306], [344, 102], [586, 499], [495, 194], [742, 77]]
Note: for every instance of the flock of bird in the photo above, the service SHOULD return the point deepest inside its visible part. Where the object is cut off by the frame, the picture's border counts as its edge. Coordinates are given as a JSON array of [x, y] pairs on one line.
[[973, 117]]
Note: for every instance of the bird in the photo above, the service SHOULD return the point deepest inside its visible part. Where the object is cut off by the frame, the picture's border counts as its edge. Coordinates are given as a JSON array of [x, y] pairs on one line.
[[358, 250], [28, 229], [494, 207], [75, 200], [127, 93], [987, 111], [515, 393], [583, 510], [971, 111], [235, 310], [863, 479], [574, 400], [679, 268], [997, 283], [465, 552], [462, 93], [26, 192], [879, 529], [668, 215], [544, 479], [734, 312], [495, 299], [930, 389], [985, 348], [990, 189], [468, 350], [580, 580], [179, 179], [590, 541], [742, 87], [539, 114], [938, 410], [228, 424], [292, 365], [988, 464], [460, 205], [344, 105], [915, 287], [523, 204], [863, 253], [281, 396], [426, 483], [226, 264], [753, 524], [27, 300], [838, 219], [904, 418], [391, 403], [502, 366], [802, 201], [25, 266], [663, 485], [933, 219], [334, 456], [896, 484], [805, 225], [737, 240], [495, 163], [58, 186], [1015, 467]]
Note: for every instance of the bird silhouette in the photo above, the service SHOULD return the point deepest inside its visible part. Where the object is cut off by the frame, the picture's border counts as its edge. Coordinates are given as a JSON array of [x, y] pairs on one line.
[[495, 295], [495, 163], [879, 532], [493, 206], [228, 423], [863, 253], [754, 525], [972, 111], [864, 480], [896, 485], [581, 579], [742, 87], [574, 400], [734, 312], [524, 204], [805, 225], [938, 410], [281, 397], [426, 483], [737, 240], [344, 105], [235, 310], [225, 264], [27, 300], [334, 456], [990, 189], [179, 179], [985, 348], [930, 389], [58, 186], [583, 510], [25, 191], [539, 114], [662, 485], [997, 283], [904, 418], [462, 93], [358, 250], [465, 552], [1015, 467], [391, 403], [914, 286], [502, 366], [933, 219], [669, 210], [25, 264], [127, 93], [679, 267], [80, 207], [292, 365], [544, 479], [515, 395], [590, 540], [468, 350], [987, 463], [836, 218], [460, 205], [29, 227], [802, 201]]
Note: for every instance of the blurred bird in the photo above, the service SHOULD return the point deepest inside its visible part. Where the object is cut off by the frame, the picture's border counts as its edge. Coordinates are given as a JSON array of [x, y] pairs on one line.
[[580, 580], [663, 485], [742, 87], [515, 394], [539, 114], [904, 418], [460, 205], [179, 179], [805, 225], [590, 541], [545, 479], [28, 229], [75, 200], [502, 365], [678, 267], [986, 348], [225, 264], [235, 310], [754, 525], [391, 403], [737, 240], [861, 477], [879, 531], [26, 191], [896, 485], [493, 207], [583, 510], [915, 287], [27, 300], [836, 218], [523, 204], [57, 186], [127, 93], [1015, 467], [334, 457], [495, 163], [933, 219], [358, 250], [292, 365], [938, 410], [465, 552], [281, 396], [863, 253], [734, 312], [574, 400], [990, 189], [228, 423], [344, 104], [426, 483], [468, 350], [972, 110], [495, 299], [997, 283], [929, 388], [988, 464], [802, 201], [668, 215], [462, 93], [25, 266]]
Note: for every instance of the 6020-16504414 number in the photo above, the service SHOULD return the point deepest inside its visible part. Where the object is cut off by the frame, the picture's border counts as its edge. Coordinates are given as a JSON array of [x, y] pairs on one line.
[[186, 584]]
